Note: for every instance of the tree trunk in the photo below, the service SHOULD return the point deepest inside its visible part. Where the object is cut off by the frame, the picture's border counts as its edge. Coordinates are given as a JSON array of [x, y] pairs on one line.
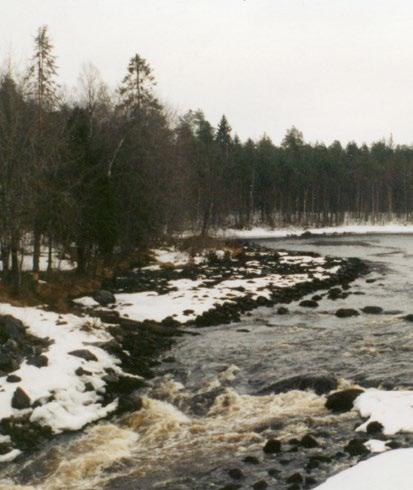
[[5, 257], [36, 249]]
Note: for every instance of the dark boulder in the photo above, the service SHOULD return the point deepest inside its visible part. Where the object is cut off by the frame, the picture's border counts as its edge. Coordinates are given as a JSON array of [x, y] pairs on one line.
[[260, 485], [251, 460], [308, 441], [372, 310], [236, 474], [342, 401], [111, 317], [11, 328], [103, 297], [356, 447], [272, 446], [282, 310], [129, 403], [320, 384], [374, 428], [20, 399], [84, 354], [38, 361], [346, 312], [12, 378], [8, 362], [295, 478], [309, 303]]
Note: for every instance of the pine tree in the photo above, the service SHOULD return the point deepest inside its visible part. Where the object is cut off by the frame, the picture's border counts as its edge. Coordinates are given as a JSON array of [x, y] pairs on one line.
[[42, 89], [136, 90], [41, 78]]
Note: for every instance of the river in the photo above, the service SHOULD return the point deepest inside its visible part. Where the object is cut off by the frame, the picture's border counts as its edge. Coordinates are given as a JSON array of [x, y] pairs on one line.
[[203, 414]]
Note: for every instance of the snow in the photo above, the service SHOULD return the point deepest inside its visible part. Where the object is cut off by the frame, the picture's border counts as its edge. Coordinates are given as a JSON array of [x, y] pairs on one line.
[[387, 471], [58, 263], [376, 446], [264, 232], [171, 256], [192, 295], [393, 409], [195, 295], [65, 405]]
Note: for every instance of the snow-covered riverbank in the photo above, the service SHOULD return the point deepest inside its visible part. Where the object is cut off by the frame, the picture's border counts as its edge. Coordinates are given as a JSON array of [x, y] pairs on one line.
[[258, 232]]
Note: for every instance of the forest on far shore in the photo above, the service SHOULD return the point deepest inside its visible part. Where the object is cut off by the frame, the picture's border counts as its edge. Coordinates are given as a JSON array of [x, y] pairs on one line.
[[100, 174]]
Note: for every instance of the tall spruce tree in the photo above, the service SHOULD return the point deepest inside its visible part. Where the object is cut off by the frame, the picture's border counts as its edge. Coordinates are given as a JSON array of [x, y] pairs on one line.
[[42, 89]]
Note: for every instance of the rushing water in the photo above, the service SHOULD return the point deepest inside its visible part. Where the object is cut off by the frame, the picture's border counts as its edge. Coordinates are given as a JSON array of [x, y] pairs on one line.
[[203, 415]]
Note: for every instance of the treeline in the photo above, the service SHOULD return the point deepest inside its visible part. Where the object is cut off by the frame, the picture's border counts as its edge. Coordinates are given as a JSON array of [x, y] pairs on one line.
[[100, 174]]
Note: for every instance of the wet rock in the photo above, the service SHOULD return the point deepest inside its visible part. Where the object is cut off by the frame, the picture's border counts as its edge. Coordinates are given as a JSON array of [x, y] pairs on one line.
[[170, 322], [342, 401], [84, 354], [320, 384], [273, 472], [309, 303], [201, 403], [393, 444], [295, 478], [409, 317], [111, 317], [260, 485], [20, 399], [11, 328], [251, 460], [282, 310], [372, 310], [272, 446], [13, 378], [8, 362], [308, 441], [335, 293], [124, 384], [236, 474], [310, 481], [82, 372], [356, 447], [243, 330], [38, 361], [346, 312], [129, 403], [103, 297], [374, 428]]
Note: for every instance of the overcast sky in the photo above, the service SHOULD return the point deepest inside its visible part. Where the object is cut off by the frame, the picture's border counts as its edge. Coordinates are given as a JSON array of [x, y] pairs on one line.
[[336, 69]]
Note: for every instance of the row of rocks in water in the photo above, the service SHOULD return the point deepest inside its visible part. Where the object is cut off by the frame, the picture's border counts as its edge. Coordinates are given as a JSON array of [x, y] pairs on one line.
[[303, 463]]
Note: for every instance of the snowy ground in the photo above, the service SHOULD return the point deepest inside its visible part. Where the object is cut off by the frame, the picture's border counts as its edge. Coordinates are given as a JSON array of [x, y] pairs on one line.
[[58, 263], [389, 471], [392, 470], [59, 398], [264, 232], [189, 298]]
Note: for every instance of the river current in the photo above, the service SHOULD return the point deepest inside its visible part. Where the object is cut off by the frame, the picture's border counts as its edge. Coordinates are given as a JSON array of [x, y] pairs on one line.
[[203, 414]]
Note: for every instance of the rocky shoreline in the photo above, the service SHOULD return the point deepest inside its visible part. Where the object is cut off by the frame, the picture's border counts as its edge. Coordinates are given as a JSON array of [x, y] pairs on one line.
[[117, 350]]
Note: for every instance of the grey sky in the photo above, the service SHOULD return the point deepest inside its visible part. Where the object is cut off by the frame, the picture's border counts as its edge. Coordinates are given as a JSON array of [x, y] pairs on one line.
[[336, 69]]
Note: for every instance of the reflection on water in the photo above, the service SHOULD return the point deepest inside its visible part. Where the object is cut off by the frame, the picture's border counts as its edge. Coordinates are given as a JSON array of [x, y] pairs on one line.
[[202, 413]]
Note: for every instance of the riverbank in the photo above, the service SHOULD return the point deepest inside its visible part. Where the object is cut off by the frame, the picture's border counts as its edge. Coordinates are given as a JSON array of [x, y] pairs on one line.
[[61, 372], [261, 232]]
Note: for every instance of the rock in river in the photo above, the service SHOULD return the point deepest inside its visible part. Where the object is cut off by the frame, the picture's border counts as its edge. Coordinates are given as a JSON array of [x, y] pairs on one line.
[[342, 401]]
